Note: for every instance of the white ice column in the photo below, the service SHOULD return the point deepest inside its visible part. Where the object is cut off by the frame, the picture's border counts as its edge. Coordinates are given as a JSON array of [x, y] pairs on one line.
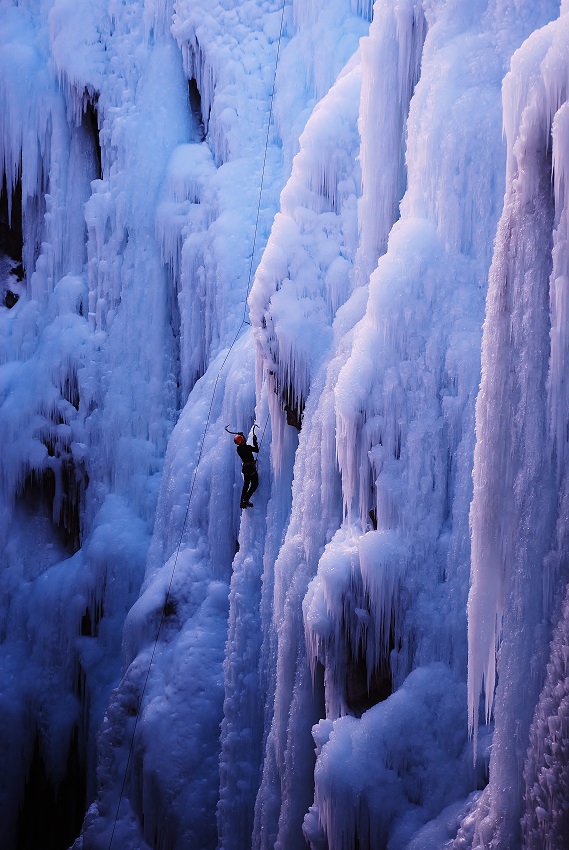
[[515, 499]]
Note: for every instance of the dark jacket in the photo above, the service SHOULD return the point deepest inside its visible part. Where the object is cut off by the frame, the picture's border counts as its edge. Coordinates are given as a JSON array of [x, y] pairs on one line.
[[245, 452]]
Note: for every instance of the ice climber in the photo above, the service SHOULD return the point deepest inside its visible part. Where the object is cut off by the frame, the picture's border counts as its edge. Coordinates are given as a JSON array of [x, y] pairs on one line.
[[248, 468]]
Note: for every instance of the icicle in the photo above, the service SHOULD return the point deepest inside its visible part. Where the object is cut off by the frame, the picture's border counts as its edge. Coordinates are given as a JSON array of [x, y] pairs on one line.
[[514, 580], [528, 104], [396, 40]]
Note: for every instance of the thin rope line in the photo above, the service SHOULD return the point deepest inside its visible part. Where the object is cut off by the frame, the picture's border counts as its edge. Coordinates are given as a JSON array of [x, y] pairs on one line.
[[243, 322], [264, 429], [264, 160]]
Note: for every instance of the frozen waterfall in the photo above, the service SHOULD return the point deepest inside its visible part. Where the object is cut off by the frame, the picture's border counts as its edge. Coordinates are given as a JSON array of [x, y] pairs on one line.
[[345, 224]]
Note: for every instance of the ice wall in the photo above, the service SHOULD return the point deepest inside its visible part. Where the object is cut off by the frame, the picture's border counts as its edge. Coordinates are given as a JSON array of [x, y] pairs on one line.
[[119, 312], [47, 163], [404, 409], [518, 517], [333, 175], [214, 205], [402, 403]]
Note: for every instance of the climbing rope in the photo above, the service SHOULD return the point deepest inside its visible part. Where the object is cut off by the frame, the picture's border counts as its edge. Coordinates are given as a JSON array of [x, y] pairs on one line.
[[244, 321]]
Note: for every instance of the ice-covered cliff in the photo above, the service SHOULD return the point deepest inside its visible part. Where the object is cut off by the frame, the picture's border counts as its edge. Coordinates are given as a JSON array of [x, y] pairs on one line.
[[348, 225]]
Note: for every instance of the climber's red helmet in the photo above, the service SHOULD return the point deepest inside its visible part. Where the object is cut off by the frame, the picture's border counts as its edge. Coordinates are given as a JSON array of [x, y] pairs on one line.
[[238, 438]]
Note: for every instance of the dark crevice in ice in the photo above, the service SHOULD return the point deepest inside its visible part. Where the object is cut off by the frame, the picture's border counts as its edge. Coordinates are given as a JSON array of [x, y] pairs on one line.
[[91, 124], [57, 489], [196, 109], [11, 243], [51, 813], [362, 694], [291, 402], [11, 234]]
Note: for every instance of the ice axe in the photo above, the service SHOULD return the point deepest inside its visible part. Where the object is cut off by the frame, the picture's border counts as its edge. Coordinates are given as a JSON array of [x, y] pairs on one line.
[[229, 431]]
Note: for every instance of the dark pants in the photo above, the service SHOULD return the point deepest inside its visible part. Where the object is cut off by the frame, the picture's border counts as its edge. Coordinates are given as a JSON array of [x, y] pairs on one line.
[[250, 482]]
